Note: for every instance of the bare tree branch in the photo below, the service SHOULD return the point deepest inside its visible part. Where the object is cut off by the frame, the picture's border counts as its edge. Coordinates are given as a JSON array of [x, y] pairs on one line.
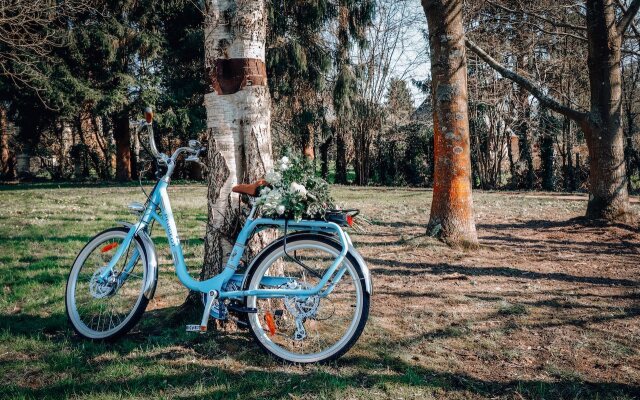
[[627, 17], [634, 28], [544, 99], [29, 30], [557, 24]]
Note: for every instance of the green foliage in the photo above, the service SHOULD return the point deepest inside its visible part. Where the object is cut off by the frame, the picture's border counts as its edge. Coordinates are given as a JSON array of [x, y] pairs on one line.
[[297, 55], [182, 75], [399, 102], [405, 156]]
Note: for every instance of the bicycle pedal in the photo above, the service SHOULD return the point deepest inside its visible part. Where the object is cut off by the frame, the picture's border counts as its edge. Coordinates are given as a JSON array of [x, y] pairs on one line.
[[196, 328]]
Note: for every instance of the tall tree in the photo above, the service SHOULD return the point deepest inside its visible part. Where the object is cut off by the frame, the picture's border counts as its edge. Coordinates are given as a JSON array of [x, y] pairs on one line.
[[452, 207], [298, 61], [352, 20], [602, 123], [238, 115]]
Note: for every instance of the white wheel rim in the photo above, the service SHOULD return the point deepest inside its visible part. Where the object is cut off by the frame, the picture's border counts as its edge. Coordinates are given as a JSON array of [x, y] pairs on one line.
[[350, 331], [72, 309]]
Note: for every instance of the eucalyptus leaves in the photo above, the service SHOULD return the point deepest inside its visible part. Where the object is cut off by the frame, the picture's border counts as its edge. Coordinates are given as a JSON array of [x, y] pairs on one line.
[[295, 192]]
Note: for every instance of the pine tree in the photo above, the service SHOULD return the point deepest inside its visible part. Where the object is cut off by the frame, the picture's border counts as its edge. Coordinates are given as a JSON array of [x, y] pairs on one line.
[[399, 103], [299, 59], [124, 48]]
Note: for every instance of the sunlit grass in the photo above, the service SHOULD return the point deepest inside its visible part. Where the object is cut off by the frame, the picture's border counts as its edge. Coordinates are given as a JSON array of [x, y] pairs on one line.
[[427, 334]]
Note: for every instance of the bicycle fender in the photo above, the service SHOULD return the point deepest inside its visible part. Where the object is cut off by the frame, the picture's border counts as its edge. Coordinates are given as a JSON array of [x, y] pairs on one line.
[[152, 261], [368, 282]]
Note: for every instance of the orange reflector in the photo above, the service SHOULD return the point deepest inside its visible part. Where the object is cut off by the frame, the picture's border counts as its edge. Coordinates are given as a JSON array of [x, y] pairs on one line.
[[271, 324], [109, 247], [350, 220]]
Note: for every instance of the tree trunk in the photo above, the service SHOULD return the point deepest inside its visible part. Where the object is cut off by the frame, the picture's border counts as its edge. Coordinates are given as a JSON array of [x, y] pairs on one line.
[[135, 157], [524, 108], [122, 136], [308, 142], [547, 157], [609, 198], [547, 151], [452, 207], [6, 163], [341, 158], [569, 175], [238, 116], [324, 157]]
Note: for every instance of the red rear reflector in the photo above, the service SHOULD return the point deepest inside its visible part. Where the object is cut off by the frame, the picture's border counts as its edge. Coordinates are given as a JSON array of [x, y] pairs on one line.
[[271, 324], [349, 220], [109, 247]]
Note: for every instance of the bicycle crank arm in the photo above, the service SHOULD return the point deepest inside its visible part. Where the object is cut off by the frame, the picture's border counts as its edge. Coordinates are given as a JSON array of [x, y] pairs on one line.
[[213, 295]]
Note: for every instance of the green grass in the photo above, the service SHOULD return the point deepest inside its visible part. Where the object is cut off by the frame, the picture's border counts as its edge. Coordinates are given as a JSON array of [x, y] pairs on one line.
[[43, 227]]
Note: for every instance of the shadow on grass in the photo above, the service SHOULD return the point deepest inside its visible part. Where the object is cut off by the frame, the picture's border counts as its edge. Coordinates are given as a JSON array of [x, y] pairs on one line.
[[378, 371], [445, 269], [164, 367], [578, 224]]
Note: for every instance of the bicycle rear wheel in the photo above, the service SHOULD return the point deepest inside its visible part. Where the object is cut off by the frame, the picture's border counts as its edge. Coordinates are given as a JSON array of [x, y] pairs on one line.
[[106, 309], [312, 329]]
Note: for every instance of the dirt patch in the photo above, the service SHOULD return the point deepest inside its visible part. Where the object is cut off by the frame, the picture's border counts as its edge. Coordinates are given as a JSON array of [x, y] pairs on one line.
[[547, 297]]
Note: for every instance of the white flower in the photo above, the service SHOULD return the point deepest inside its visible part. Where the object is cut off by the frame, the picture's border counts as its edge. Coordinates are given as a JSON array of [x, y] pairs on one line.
[[273, 177], [284, 163], [280, 209], [298, 188], [265, 190]]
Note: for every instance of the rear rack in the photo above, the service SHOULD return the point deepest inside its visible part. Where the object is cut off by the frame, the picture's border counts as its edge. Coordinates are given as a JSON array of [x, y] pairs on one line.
[[341, 217]]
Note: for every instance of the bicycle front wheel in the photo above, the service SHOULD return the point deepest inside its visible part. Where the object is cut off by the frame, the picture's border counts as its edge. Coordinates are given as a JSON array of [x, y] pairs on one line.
[[319, 328], [104, 309]]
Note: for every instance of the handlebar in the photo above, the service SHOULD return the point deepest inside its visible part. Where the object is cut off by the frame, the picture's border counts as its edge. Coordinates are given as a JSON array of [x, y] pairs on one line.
[[195, 149]]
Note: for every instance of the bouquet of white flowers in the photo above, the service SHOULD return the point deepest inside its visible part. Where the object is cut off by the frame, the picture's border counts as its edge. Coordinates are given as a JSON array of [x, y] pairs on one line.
[[295, 191]]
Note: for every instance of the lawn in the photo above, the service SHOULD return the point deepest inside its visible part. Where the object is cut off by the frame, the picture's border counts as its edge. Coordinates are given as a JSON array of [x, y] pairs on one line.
[[548, 307]]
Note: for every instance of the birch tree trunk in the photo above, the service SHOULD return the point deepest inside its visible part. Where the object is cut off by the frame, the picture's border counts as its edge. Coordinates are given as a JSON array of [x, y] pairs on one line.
[[452, 208], [238, 116]]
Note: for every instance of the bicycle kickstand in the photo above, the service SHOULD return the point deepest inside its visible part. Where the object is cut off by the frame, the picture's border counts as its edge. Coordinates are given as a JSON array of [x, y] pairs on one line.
[[202, 328]]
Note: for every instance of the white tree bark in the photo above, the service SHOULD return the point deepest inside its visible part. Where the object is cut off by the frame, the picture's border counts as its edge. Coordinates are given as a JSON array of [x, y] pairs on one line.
[[238, 115]]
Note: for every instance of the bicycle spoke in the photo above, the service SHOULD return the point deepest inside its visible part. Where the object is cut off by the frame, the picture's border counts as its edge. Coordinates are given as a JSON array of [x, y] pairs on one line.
[[308, 327], [103, 307]]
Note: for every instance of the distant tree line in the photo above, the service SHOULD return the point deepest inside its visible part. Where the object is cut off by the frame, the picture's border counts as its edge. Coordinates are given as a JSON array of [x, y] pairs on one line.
[[73, 74]]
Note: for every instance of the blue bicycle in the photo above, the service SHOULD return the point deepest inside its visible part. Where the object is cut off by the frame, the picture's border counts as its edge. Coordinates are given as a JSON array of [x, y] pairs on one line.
[[305, 296]]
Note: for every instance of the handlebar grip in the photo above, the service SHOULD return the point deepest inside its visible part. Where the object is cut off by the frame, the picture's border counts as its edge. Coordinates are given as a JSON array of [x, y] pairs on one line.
[[148, 115]]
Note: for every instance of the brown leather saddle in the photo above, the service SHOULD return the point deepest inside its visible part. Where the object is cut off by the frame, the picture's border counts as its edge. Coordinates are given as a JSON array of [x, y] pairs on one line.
[[250, 189]]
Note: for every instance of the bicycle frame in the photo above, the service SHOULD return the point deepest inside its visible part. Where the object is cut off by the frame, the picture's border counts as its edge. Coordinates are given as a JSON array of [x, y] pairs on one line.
[[159, 201]]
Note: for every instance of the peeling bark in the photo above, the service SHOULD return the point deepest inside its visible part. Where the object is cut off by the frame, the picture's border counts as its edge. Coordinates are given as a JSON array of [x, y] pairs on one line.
[[238, 118], [452, 208]]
